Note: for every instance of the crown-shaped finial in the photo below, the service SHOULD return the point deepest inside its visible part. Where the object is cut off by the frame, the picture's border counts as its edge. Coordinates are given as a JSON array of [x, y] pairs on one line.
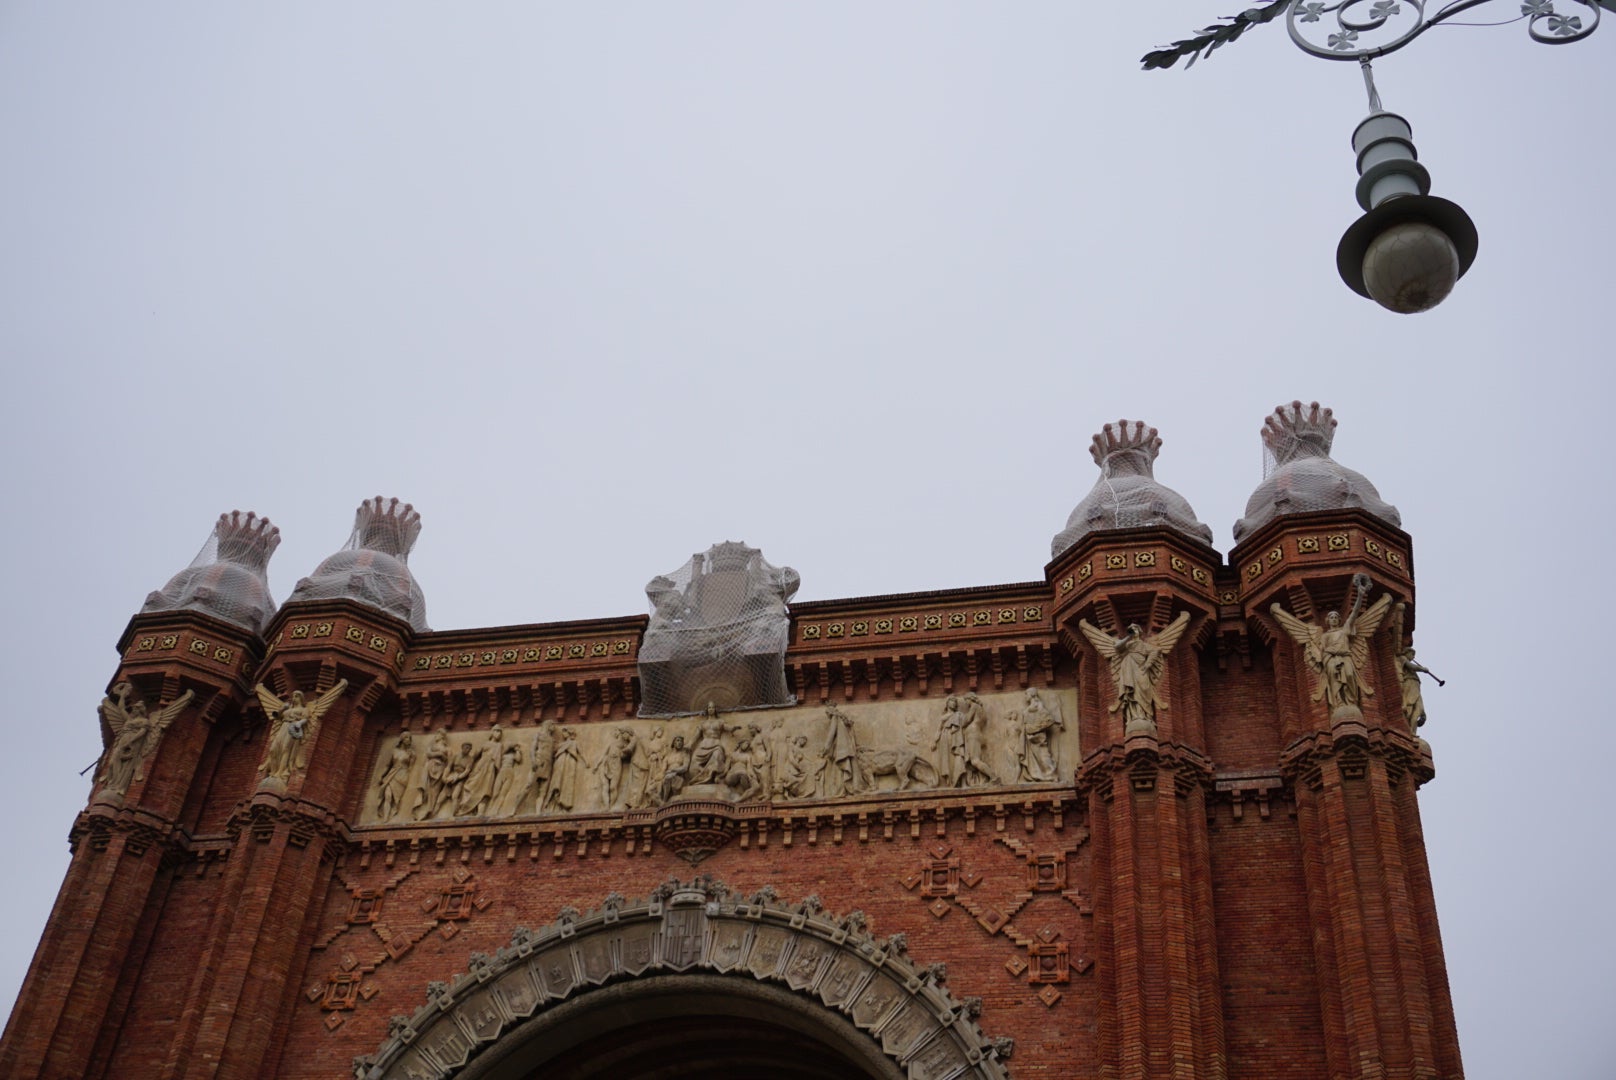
[[731, 555], [1298, 430], [1121, 451], [246, 539], [386, 525]]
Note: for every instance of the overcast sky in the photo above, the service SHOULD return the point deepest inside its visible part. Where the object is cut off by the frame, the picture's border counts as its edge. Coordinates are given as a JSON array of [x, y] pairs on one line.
[[595, 286]]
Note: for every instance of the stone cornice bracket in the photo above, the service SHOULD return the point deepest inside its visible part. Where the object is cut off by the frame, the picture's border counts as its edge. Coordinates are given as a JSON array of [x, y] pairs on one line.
[[102, 820], [1351, 744], [1239, 789], [262, 815], [694, 829], [699, 927], [1142, 760]]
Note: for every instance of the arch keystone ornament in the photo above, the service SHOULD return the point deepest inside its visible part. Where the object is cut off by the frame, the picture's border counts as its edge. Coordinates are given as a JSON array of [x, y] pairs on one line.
[[693, 940]]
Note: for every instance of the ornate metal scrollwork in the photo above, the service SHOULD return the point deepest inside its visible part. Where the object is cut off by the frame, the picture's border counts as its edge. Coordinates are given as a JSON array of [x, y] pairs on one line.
[[1365, 29]]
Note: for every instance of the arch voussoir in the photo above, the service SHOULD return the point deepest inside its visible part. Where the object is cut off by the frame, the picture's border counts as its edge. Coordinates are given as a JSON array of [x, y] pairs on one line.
[[694, 927]]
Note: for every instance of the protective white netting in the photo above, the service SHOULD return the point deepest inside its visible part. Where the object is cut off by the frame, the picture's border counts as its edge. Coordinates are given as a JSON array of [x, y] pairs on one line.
[[1299, 475], [1127, 495], [718, 633], [372, 567], [229, 576]]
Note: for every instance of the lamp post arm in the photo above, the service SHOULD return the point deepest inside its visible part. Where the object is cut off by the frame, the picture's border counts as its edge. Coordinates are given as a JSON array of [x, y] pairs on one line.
[[1365, 29]]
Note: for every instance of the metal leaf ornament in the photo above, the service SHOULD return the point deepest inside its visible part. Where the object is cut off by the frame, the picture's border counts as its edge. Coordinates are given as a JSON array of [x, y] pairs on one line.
[[1209, 39]]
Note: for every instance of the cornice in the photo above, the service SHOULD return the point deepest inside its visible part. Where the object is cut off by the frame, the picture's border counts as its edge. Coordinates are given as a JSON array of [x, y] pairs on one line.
[[1143, 759], [261, 816], [1349, 745], [141, 830], [756, 825], [1327, 542]]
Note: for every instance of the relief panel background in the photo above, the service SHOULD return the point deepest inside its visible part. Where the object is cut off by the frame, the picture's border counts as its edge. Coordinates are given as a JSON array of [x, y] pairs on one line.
[[892, 736]]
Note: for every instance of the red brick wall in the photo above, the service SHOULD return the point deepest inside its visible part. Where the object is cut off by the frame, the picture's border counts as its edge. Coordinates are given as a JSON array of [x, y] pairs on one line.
[[1254, 898]]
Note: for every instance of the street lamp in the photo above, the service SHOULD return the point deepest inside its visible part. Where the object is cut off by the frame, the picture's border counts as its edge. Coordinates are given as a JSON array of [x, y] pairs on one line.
[[1409, 248]]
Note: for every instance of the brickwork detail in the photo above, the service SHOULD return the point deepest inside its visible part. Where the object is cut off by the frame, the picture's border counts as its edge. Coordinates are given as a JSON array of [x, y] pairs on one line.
[[1043, 955], [698, 926]]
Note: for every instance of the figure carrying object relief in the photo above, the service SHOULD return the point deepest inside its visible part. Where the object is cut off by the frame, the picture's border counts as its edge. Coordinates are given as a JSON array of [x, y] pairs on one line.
[[134, 735], [295, 724], [1338, 652], [1137, 666]]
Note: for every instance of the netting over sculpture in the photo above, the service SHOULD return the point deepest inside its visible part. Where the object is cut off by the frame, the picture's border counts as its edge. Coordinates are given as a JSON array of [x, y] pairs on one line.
[[371, 568], [1127, 495], [1299, 475], [228, 579], [718, 633]]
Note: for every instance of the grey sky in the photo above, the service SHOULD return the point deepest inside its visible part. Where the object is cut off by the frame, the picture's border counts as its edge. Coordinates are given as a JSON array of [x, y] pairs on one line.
[[595, 286]]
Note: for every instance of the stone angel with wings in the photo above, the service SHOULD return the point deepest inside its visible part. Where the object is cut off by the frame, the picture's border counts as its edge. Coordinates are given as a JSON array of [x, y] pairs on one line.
[[1338, 651], [1137, 665], [134, 735], [295, 723]]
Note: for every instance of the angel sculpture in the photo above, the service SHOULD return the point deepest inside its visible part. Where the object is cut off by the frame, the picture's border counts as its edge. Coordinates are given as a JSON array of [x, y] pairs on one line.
[[1337, 651], [1137, 666], [134, 735], [295, 723], [1409, 671]]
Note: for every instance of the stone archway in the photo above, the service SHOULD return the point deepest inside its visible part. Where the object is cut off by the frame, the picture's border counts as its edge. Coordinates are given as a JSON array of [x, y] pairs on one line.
[[794, 989]]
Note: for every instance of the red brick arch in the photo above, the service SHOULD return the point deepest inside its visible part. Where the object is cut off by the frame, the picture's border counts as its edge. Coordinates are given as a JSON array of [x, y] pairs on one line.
[[793, 966]]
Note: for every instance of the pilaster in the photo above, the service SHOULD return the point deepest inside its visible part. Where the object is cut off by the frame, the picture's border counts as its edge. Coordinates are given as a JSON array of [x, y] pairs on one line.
[[1354, 770], [285, 835], [188, 669], [1146, 781]]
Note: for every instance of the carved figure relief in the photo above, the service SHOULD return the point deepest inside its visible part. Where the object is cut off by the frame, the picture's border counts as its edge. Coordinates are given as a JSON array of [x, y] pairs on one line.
[[396, 779], [477, 789], [293, 725], [1338, 651], [1040, 724], [844, 773], [1137, 665], [431, 783], [135, 734], [1409, 671], [963, 741]]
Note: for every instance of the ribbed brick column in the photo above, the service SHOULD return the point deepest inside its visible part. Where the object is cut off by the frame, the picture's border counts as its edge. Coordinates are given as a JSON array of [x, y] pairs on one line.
[[1160, 1010], [84, 971], [1382, 984], [284, 840]]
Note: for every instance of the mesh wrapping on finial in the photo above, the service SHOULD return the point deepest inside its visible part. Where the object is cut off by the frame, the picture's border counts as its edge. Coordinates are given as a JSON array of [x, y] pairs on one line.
[[1299, 474], [372, 567], [385, 525], [1294, 430], [1116, 450], [229, 576], [1127, 495], [718, 633]]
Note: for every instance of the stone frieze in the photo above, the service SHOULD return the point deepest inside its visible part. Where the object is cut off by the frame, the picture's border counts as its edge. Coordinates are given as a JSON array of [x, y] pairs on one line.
[[797, 754]]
